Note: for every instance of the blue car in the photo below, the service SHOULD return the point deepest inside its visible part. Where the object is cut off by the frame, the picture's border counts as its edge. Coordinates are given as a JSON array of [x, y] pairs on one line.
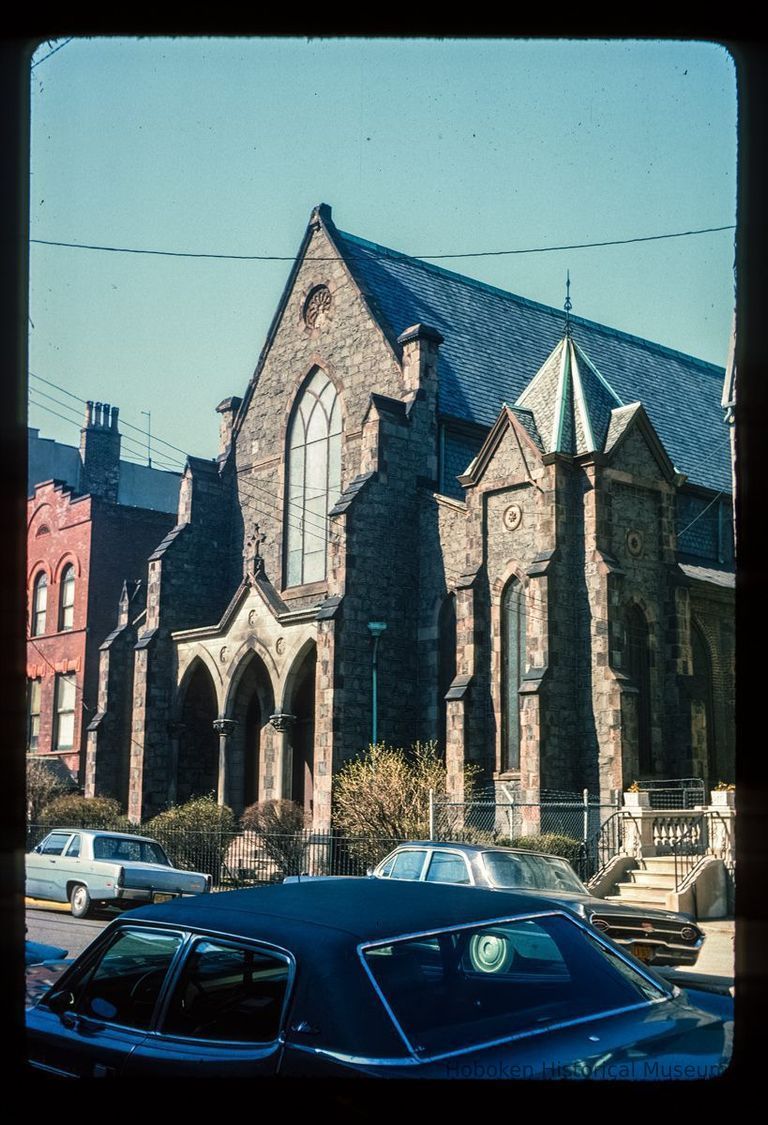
[[370, 977]]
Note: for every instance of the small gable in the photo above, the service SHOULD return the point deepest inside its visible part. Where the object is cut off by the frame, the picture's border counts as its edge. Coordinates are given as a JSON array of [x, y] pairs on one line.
[[510, 452], [633, 446]]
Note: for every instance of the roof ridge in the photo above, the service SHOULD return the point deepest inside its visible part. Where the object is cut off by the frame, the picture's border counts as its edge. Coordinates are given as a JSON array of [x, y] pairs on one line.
[[516, 297]]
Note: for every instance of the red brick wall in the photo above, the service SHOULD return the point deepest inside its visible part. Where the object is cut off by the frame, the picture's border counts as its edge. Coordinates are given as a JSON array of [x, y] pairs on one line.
[[106, 543]]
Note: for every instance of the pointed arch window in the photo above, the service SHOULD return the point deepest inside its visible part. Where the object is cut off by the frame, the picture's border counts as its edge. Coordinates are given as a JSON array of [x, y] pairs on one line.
[[39, 604], [67, 599], [701, 691], [513, 634], [314, 478], [446, 663], [639, 669]]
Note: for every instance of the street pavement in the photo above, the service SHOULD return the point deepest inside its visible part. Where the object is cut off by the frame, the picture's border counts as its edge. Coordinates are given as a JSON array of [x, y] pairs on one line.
[[714, 967]]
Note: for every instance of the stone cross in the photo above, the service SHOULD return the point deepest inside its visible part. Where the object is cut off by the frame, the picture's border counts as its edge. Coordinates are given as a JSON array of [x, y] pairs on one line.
[[254, 562]]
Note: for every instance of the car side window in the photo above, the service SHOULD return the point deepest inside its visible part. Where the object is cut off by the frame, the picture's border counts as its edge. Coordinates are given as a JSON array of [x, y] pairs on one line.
[[54, 844], [123, 984], [73, 848], [226, 993], [447, 867], [408, 864]]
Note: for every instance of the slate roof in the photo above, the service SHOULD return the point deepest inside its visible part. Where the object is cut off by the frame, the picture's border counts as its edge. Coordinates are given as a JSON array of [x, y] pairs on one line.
[[495, 342], [570, 401]]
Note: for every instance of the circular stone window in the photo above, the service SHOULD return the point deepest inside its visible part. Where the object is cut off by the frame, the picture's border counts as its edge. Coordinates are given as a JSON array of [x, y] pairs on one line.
[[316, 306], [635, 543], [513, 517]]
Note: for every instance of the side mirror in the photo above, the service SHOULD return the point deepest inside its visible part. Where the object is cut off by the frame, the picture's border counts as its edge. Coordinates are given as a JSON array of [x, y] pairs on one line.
[[37, 848], [61, 1002], [369, 871]]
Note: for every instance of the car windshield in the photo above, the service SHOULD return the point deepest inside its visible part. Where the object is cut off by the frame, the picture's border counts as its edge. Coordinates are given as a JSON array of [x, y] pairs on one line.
[[540, 872], [461, 989], [127, 849]]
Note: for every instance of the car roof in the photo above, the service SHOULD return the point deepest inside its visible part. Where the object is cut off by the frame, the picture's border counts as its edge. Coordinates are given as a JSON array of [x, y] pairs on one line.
[[302, 914], [321, 922], [105, 832], [472, 849]]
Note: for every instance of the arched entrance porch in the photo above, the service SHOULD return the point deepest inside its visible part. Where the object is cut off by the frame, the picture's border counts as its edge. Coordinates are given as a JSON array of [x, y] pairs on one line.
[[197, 763], [250, 758]]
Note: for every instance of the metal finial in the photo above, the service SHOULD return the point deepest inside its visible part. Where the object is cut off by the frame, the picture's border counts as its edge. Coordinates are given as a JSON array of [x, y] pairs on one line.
[[568, 303]]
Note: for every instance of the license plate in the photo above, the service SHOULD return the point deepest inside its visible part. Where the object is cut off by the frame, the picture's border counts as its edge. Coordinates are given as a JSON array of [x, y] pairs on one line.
[[160, 896], [643, 952]]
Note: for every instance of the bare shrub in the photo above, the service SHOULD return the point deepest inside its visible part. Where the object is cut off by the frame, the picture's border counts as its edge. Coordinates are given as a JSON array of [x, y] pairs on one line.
[[280, 827], [381, 797]]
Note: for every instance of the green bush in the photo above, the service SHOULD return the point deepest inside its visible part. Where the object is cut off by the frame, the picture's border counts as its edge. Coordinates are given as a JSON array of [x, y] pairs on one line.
[[281, 828], [550, 842], [43, 786], [74, 811], [382, 796], [196, 835]]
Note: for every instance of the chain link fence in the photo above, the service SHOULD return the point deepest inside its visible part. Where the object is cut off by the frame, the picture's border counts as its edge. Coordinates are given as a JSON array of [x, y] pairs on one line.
[[567, 824]]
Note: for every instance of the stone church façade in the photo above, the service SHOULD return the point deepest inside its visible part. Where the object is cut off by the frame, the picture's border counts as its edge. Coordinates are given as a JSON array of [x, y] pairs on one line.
[[537, 509]]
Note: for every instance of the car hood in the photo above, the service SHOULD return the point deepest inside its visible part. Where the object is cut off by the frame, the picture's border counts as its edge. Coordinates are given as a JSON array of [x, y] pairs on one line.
[[591, 903]]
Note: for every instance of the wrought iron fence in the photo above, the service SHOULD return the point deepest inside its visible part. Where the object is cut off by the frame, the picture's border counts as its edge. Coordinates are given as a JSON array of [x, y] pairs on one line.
[[247, 858], [674, 793]]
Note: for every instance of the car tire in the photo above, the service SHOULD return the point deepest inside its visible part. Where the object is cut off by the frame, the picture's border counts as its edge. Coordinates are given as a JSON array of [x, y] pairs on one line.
[[80, 901]]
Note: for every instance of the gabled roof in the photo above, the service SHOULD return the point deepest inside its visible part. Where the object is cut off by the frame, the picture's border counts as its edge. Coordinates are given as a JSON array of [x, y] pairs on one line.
[[495, 341]]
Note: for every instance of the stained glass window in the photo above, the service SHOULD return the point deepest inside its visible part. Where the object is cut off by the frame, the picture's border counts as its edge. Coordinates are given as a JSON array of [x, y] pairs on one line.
[[314, 478]]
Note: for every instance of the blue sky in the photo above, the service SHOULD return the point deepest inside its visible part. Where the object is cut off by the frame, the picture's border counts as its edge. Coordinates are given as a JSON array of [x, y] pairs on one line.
[[223, 146]]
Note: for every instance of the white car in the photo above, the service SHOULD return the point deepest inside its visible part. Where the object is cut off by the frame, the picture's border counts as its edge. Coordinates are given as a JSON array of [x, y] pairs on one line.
[[87, 867]]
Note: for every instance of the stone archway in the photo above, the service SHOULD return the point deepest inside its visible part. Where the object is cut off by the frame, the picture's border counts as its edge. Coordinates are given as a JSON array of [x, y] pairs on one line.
[[300, 704], [198, 754], [250, 752]]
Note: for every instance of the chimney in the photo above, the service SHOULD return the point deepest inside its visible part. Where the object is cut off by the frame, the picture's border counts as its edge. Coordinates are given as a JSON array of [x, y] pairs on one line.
[[100, 451], [227, 408], [420, 344]]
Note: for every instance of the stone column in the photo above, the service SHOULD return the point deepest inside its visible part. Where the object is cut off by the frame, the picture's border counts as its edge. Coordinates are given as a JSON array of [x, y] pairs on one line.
[[282, 767], [224, 728]]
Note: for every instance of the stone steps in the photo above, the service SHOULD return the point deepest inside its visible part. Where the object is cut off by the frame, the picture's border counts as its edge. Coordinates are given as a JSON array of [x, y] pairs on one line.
[[632, 893]]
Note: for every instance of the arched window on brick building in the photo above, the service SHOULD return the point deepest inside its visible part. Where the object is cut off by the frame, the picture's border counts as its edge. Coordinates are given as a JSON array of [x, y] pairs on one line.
[[39, 604], [67, 598], [313, 478], [513, 632]]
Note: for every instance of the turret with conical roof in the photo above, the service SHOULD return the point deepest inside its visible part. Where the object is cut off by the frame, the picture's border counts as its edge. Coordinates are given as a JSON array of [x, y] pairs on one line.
[[570, 401]]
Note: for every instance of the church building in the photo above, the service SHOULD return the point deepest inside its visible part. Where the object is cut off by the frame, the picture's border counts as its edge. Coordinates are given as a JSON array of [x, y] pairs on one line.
[[439, 511]]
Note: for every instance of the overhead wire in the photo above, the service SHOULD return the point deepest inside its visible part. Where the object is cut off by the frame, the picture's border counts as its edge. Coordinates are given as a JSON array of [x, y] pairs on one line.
[[378, 255], [306, 523]]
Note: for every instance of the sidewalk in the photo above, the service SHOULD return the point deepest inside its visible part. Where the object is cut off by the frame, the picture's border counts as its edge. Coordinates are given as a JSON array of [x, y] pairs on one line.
[[714, 967]]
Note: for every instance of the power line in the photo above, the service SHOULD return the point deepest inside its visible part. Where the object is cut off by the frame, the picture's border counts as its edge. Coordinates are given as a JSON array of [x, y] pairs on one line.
[[376, 255], [281, 512], [53, 52]]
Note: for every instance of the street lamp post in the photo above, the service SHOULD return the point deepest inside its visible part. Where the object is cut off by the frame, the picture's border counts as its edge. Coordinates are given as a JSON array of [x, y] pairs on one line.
[[375, 628]]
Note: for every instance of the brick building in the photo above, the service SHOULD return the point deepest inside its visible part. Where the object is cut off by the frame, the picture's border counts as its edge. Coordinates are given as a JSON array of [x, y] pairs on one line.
[[535, 507], [92, 520]]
